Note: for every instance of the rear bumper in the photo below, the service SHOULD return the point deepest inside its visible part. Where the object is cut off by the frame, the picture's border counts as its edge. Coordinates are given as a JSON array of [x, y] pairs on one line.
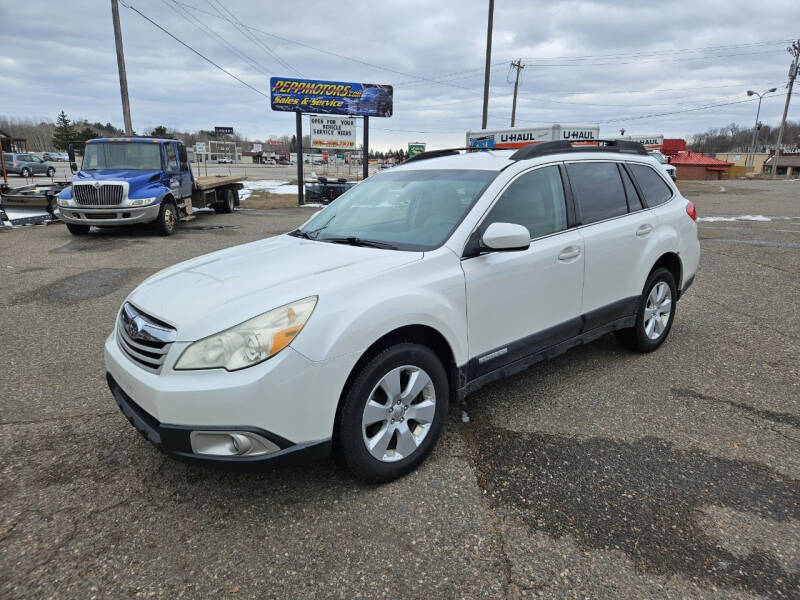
[[175, 439], [109, 216]]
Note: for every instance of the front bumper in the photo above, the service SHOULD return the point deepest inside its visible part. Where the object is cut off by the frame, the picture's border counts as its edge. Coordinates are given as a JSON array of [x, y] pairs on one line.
[[288, 399], [109, 216], [175, 439]]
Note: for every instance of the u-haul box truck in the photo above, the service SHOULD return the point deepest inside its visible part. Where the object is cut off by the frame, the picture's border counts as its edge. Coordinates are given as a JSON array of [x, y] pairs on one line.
[[516, 137]]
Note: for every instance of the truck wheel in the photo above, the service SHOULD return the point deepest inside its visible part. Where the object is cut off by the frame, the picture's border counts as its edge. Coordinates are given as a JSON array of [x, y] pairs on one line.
[[226, 206], [77, 229], [167, 218]]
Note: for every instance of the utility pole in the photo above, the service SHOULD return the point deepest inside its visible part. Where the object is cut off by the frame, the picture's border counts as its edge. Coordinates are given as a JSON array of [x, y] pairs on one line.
[[794, 50], [123, 78], [518, 66], [488, 66]]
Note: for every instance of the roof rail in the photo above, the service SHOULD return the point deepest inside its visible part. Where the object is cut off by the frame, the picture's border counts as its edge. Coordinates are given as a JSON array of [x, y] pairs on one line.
[[561, 146], [438, 153]]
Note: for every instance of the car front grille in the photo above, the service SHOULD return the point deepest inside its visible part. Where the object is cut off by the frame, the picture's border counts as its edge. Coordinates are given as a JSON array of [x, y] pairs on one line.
[[87, 194], [144, 339]]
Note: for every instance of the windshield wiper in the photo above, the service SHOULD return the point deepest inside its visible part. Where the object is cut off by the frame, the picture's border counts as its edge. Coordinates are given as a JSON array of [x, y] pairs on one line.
[[355, 241], [301, 234]]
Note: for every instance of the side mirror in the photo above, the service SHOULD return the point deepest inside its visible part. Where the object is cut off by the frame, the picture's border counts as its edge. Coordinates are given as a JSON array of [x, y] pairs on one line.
[[73, 166], [506, 236]]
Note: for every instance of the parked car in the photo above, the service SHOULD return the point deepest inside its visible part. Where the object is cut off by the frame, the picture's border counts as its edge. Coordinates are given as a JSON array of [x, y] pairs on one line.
[[669, 169], [283, 162], [225, 160], [26, 164], [419, 285], [55, 156]]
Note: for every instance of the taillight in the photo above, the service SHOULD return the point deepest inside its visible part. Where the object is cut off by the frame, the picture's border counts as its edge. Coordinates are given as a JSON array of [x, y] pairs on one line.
[[16, 163], [690, 210]]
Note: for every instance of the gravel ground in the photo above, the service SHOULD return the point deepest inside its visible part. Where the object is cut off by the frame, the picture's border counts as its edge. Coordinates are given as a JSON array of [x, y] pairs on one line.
[[600, 474]]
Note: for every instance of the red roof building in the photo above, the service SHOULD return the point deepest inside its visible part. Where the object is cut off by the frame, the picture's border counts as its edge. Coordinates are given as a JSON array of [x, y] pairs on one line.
[[694, 165]]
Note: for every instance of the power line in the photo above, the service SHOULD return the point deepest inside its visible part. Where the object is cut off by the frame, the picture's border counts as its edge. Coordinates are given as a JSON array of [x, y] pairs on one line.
[[205, 58]]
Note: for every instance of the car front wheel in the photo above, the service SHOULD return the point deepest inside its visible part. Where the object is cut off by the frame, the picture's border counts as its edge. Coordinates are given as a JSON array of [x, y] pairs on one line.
[[393, 413], [655, 314]]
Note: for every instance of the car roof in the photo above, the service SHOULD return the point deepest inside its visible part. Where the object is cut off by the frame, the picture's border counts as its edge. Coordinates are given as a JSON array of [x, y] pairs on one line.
[[497, 160]]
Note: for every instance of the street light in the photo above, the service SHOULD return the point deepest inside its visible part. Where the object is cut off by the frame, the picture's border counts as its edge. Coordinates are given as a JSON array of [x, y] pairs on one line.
[[751, 158]]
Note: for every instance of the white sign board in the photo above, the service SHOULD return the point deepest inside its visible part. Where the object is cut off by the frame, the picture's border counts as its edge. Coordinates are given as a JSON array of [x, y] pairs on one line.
[[200, 147], [257, 147], [333, 132]]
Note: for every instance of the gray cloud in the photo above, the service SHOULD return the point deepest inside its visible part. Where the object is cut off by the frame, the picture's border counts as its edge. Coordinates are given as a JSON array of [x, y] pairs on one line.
[[61, 56]]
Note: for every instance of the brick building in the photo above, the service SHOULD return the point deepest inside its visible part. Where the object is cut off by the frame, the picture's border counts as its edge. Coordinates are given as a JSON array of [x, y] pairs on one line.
[[697, 166]]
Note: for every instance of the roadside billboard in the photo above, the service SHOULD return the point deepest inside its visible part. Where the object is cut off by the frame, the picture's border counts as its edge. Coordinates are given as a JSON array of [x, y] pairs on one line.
[[415, 148], [333, 132], [223, 130], [331, 97], [517, 137], [257, 148]]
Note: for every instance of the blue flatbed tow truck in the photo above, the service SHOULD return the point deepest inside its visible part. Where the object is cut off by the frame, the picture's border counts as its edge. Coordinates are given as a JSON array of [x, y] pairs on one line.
[[131, 180]]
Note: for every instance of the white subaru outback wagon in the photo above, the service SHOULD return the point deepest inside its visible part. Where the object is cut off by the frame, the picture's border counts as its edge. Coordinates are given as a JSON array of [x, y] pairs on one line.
[[353, 333]]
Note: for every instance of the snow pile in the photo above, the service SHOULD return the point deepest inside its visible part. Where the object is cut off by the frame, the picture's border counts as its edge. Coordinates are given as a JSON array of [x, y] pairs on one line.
[[269, 185]]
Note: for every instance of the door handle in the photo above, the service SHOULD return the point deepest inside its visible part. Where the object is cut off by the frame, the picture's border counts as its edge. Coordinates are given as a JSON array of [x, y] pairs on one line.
[[644, 230], [569, 253]]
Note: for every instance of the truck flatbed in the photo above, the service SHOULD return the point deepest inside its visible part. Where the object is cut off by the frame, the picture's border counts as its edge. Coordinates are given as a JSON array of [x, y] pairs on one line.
[[215, 181]]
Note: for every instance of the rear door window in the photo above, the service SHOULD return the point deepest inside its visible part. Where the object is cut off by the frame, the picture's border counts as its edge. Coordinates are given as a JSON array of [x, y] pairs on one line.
[[655, 189], [634, 202], [598, 190]]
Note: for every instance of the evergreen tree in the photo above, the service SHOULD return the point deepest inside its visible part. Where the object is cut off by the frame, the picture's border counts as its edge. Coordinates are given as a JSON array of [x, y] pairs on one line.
[[160, 132], [63, 133]]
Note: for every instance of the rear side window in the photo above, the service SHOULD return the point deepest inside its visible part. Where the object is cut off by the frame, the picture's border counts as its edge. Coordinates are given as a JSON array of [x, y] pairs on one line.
[[598, 189], [655, 190], [634, 202], [534, 200]]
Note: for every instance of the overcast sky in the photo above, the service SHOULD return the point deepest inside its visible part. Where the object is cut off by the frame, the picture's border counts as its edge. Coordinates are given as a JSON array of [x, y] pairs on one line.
[[586, 62]]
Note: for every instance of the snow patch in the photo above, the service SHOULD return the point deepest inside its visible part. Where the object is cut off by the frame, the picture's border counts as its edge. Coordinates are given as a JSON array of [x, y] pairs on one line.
[[736, 218], [270, 185]]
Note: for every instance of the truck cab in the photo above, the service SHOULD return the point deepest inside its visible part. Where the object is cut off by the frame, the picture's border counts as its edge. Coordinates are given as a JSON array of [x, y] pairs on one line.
[[125, 181]]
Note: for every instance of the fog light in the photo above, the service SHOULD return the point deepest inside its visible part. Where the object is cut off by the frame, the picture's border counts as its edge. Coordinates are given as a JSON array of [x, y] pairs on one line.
[[230, 443]]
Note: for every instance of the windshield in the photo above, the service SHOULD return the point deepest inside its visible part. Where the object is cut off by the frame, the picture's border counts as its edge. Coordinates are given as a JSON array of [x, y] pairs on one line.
[[659, 157], [405, 210], [118, 155]]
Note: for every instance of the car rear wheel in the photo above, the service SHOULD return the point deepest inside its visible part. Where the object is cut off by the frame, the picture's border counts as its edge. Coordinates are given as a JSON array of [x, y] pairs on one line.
[[77, 228], [25, 172], [393, 413], [51, 171], [655, 314], [167, 218]]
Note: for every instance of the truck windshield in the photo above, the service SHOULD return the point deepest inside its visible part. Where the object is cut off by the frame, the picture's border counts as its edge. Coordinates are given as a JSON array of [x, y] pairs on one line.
[[119, 155], [659, 157], [403, 210]]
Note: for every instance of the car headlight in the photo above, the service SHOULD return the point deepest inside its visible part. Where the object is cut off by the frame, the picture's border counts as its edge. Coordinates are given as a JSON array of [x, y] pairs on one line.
[[251, 342], [141, 201]]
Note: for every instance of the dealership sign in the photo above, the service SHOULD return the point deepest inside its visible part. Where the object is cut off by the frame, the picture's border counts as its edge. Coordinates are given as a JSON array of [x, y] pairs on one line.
[[200, 147], [333, 132], [331, 97]]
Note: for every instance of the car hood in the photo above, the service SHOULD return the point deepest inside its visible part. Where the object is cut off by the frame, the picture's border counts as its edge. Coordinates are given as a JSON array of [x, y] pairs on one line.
[[216, 291]]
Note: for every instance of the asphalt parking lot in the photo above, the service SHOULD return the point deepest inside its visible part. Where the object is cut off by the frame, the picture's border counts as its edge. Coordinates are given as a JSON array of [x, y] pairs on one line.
[[600, 474]]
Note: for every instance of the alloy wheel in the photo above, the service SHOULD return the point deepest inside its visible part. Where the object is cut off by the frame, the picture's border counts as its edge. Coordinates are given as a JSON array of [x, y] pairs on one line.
[[398, 413], [657, 310]]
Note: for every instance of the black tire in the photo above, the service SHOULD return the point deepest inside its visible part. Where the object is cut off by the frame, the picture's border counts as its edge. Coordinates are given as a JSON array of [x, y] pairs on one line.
[[636, 337], [25, 172], [227, 204], [349, 436], [78, 229], [51, 171], [167, 218]]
